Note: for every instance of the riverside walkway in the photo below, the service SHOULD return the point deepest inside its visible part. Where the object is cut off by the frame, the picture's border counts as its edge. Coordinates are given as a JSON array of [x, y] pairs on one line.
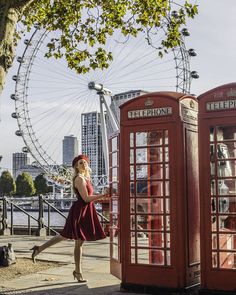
[[59, 280]]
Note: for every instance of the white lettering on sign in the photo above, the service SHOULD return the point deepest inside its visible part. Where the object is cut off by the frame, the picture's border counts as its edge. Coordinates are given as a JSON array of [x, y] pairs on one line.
[[157, 112], [221, 105]]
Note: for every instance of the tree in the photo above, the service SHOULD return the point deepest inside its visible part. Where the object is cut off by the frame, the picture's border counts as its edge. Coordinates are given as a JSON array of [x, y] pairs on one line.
[[7, 184], [84, 26], [41, 186], [25, 185]]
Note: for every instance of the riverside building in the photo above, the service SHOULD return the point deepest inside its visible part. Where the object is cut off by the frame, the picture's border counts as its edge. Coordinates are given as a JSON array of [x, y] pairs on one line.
[[92, 142], [118, 99], [19, 160]]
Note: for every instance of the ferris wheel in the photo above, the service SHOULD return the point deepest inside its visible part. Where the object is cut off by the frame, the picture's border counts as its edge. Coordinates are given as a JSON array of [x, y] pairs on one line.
[[50, 98]]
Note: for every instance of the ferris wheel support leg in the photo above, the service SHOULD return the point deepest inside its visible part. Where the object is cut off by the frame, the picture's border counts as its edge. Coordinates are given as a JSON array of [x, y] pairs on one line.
[[104, 134], [111, 116]]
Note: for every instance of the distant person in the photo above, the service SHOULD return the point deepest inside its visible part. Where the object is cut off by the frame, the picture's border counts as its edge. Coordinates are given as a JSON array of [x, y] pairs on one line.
[[82, 223]]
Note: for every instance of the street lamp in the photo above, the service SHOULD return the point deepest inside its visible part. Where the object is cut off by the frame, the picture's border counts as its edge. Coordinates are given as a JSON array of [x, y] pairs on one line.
[[0, 162]]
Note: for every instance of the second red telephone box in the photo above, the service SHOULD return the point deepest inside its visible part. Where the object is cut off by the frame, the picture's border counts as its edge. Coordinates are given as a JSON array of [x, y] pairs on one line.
[[217, 146]]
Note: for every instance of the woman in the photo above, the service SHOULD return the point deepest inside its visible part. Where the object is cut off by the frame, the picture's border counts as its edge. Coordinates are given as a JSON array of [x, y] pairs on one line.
[[82, 223]]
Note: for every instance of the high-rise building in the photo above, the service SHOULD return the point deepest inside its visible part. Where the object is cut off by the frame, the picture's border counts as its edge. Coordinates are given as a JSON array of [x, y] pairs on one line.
[[70, 149], [19, 160], [92, 142]]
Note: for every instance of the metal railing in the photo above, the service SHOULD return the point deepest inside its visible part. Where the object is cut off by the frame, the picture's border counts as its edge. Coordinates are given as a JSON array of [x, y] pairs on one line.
[[44, 206]]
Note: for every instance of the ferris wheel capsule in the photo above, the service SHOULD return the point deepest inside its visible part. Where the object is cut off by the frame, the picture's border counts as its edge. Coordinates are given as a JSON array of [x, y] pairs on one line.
[[18, 133], [27, 42], [15, 115], [185, 32], [15, 78], [37, 26], [174, 14], [194, 75], [192, 52], [25, 149], [20, 59], [14, 97]]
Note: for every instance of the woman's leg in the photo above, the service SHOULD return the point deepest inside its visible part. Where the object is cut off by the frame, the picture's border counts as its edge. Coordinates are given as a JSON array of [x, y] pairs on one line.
[[54, 240], [78, 255]]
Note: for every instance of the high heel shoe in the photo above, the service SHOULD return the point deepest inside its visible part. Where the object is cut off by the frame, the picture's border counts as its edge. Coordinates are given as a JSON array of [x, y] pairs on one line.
[[79, 277], [35, 250]]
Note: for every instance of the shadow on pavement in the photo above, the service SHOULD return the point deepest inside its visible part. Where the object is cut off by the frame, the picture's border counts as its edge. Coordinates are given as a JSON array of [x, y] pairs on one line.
[[82, 289]]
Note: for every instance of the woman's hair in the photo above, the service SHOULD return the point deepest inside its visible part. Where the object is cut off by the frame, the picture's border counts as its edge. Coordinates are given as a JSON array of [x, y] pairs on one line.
[[76, 170], [87, 172]]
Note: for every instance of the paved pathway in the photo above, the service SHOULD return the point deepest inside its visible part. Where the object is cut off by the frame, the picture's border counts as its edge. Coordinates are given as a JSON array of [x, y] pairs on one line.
[[59, 280]]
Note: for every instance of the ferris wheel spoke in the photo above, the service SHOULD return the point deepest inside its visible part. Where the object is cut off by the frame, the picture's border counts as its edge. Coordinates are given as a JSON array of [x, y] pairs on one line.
[[135, 69], [119, 48], [143, 80], [149, 77], [54, 124], [133, 73], [37, 78], [77, 117], [57, 67], [54, 103], [132, 69], [133, 60], [44, 115], [48, 79], [51, 100], [65, 113], [55, 90], [62, 76]]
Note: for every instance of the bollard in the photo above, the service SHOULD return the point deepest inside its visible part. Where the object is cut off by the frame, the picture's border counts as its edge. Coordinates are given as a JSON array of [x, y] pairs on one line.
[[41, 228], [4, 229]]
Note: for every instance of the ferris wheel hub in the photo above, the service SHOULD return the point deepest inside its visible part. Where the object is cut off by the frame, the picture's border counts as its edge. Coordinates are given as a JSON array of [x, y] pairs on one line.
[[99, 88]]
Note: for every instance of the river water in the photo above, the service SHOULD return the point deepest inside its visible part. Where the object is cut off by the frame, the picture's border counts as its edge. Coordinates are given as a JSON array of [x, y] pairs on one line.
[[19, 218]]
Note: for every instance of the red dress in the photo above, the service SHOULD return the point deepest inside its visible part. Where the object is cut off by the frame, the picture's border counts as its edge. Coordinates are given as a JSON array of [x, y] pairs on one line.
[[82, 221]]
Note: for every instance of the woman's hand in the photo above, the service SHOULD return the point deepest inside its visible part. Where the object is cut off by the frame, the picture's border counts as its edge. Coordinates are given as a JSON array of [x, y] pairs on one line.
[[106, 197], [105, 193], [106, 190]]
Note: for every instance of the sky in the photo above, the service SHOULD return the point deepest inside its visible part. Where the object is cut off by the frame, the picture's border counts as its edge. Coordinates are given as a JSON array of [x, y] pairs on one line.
[[213, 35]]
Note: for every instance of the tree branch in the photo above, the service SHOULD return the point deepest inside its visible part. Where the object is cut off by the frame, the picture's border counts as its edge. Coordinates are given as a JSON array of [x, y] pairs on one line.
[[21, 4], [10, 13]]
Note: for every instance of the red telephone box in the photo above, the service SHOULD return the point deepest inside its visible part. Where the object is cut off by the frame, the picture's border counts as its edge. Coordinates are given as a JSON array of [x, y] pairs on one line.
[[156, 228], [217, 152]]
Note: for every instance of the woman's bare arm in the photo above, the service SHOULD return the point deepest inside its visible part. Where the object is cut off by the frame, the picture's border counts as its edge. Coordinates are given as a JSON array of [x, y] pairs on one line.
[[80, 184]]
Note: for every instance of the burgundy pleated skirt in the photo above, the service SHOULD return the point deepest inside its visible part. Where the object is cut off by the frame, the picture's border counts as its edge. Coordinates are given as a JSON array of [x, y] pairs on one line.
[[82, 221]]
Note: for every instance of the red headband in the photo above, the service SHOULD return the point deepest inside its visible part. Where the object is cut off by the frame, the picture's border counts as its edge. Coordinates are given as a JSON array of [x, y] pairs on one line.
[[79, 157]]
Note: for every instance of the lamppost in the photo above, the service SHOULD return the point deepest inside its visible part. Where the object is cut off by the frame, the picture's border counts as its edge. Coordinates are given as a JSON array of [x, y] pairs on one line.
[[0, 162]]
